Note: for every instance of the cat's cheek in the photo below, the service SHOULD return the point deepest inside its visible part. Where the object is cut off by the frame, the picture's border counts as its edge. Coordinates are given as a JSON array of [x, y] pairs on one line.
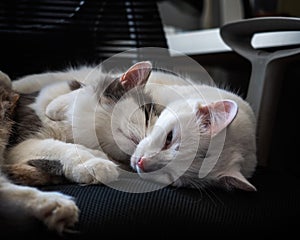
[[164, 178], [133, 164], [139, 170]]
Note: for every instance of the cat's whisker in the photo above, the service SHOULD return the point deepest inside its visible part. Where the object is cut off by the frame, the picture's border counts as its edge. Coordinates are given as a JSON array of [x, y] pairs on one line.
[[214, 195], [145, 123], [207, 192], [151, 114], [140, 104], [196, 187]]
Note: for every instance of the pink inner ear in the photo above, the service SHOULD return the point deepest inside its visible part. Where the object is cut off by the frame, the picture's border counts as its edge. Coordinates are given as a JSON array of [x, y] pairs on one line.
[[228, 108], [234, 179], [230, 182], [218, 115], [136, 75]]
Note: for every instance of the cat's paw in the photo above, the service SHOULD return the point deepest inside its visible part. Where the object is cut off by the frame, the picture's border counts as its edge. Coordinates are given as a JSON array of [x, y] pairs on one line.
[[95, 170], [58, 108], [58, 211]]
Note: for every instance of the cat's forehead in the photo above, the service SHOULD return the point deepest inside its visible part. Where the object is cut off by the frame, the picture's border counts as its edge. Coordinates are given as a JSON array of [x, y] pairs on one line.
[[128, 108], [177, 115], [179, 108]]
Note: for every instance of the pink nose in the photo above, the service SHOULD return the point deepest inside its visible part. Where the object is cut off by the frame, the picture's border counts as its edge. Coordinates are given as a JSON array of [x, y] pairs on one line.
[[140, 163]]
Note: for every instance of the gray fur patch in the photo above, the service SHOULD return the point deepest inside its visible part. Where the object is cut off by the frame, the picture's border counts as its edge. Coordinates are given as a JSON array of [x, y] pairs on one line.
[[26, 122], [74, 85], [52, 167]]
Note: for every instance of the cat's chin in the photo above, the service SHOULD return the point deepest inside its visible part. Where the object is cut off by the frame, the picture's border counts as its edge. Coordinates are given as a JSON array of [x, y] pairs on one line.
[[139, 170], [164, 178]]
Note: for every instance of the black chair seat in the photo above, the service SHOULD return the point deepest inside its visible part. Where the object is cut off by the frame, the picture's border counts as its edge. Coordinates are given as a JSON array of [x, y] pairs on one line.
[[272, 210]]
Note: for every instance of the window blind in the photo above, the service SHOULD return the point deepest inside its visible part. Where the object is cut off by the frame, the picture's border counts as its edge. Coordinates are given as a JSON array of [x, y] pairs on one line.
[[37, 35]]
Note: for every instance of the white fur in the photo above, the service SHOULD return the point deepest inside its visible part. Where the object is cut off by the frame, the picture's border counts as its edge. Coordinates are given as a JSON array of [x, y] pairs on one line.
[[96, 126], [76, 124], [36, 82], [98, 168], [232, 151]]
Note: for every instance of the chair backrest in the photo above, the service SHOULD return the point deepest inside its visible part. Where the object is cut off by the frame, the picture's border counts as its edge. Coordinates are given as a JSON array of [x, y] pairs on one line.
[[267, 66]]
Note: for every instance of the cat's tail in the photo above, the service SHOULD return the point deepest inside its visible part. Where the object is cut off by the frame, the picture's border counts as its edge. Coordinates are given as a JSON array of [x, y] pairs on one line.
[[36, 172]]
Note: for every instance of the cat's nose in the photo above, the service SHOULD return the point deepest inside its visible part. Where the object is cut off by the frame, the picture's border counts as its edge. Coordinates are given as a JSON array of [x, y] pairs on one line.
[[140, 163]]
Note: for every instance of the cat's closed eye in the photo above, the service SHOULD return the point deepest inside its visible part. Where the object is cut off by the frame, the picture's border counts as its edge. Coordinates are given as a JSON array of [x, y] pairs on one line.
[[168, 141], [148, 110]]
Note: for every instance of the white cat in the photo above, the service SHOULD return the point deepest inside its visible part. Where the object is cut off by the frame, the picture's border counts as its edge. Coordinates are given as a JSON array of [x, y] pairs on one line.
[[206, 135]]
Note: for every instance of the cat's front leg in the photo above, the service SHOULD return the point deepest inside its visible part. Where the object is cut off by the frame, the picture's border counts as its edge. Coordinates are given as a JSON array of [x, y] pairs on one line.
[[58, 211], [93, 171], [89, 166], [80, 164], [35, 82]]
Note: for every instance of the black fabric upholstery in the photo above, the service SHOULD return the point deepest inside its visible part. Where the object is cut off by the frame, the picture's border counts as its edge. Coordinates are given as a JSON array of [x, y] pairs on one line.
[[274, 209]]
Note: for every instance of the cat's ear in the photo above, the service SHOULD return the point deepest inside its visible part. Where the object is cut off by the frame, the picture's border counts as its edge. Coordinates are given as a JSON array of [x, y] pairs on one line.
[[13, 99], [233, 179], [217, 115], [136, 75]]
